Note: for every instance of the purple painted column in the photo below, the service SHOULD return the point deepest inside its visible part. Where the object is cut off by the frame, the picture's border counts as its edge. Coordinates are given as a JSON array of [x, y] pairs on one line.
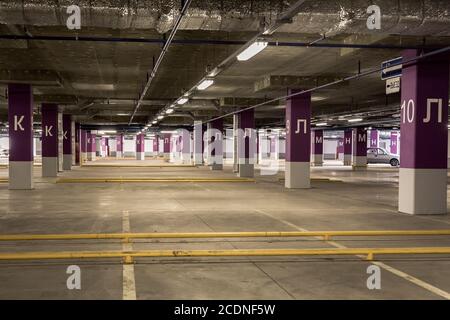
[[91, 146], [373, 142], [394, 142], [340, 149], [67, 142], [119, 146], [215, 146], [359, 148], [424, 136], [246, 143], [77, 143], [348, 147], [156, 146], [20, 118], [140, 147], [83, 146], [317, 147], [49, 113], [298, 141], [166, 146]]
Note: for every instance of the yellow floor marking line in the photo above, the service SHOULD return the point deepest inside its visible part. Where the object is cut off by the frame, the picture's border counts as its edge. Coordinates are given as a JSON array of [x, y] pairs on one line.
[[323, 235], [136, 180], [128, 278], [382, 265], [129, 255]]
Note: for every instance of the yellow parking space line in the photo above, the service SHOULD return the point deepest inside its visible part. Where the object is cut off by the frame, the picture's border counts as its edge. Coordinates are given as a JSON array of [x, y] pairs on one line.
[[319, 180], [128, 256], [136, 180], [326, 235]]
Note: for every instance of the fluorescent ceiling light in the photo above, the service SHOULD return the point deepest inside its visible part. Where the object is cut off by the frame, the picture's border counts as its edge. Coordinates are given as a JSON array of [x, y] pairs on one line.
[[161, 117], [205, 84], [355, 120], [169, 111], [154, 122], [321, 124], [252, 50], [93, 86], [106, 131], [123, 114], [183, 100]]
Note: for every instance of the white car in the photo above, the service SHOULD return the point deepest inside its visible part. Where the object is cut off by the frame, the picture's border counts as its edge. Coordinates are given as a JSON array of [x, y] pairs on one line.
[[379, 155]]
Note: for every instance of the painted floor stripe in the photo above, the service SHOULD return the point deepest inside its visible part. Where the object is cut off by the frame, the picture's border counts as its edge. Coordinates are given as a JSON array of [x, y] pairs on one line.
[[382, 265], [128, 282]]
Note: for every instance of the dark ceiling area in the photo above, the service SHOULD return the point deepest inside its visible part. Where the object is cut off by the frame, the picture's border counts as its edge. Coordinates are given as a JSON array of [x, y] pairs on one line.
[[98, 73]]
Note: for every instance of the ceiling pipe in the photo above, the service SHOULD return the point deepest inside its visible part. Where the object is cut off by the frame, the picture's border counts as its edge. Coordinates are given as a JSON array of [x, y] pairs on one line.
[[185, 6], [219, 42]]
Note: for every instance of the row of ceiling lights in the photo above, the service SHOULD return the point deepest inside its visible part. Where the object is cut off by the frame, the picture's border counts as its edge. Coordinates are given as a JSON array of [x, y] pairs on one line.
[[252, 50]]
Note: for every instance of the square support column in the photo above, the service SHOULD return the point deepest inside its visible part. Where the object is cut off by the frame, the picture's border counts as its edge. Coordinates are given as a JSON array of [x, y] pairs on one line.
[[49, 113], [156, 146], [67, 142], [140, 147], [246, 140], [119, 146], [166, 146], [91, 146], [423, 139], [235, 143], [77, 144], [72, 142], [185, 146], [83, 146], [373, 142], [198, 143], [359, 149], [20, 118], [348, 138], [298, 141], [215, 145], [393, 148], [317, 148]]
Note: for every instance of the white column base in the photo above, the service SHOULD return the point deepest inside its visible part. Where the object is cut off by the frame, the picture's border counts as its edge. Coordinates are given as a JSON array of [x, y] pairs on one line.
[[91, 156], [140, 155], [422, 191], [297, 175], [49, 167], [246, 170], [216, 166], [317, 160], [359, 163], [119, 154], [21, 175], [83, 157], [67, 162], [347, 159]]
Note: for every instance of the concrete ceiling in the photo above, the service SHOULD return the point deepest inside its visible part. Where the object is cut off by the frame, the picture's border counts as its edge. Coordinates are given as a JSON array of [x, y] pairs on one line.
[[98, 72]]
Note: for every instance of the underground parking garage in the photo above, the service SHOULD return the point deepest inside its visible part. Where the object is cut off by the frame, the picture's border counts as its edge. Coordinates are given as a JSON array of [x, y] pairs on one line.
[[220, 150]]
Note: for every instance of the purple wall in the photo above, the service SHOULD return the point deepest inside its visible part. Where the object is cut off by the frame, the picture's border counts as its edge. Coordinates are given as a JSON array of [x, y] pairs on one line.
[[298, 128], [360, 142], [20, 104], [348, 138], [67, 134], [423, 139], [317, 141], [49, 114]]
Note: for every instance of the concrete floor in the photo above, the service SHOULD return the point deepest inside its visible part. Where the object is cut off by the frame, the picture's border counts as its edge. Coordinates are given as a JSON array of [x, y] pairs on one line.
[[357, 201]]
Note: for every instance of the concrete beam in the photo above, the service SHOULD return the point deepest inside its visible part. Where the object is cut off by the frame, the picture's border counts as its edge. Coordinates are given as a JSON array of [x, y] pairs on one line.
[[276, 82]]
